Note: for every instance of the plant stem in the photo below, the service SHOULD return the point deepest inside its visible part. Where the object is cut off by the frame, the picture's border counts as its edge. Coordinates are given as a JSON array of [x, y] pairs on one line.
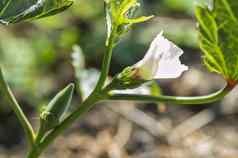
[[84, 107], [106, 60], [97, 95], [12, 102], [174, 99]]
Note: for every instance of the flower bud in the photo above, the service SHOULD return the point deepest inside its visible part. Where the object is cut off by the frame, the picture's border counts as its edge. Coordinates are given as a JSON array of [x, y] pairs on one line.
[[161, 61], [55, 111]]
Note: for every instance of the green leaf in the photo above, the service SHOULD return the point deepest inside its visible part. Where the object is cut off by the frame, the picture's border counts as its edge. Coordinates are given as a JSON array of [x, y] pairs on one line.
[[120, 14], [13, 11], [219, 37], [54, 113]]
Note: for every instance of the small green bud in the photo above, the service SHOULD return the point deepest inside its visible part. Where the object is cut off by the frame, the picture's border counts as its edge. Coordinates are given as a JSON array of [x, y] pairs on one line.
[[127, 79], [55, 111]]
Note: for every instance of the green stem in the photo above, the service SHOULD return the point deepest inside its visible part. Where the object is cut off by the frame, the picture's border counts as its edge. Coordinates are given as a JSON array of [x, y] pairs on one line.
[[174, 99], [97, 95], [12, 102], [84, 107], [40, 135], [106, 60]]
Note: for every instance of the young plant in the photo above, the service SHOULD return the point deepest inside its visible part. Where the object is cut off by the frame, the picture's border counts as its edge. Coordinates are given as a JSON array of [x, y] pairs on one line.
[[218, 32]]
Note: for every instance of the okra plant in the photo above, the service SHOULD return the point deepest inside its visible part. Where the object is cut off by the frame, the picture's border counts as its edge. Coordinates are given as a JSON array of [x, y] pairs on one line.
[[217, 27]]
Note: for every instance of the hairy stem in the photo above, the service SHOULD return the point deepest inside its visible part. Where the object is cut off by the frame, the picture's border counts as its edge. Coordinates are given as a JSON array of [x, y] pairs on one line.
[[106, 60], [97, 95], [12, 102], [84, 107], [174, 99], [103, 95]]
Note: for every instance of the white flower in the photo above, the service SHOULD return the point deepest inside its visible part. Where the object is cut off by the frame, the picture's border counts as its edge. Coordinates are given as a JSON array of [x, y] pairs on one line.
[[161, 61]]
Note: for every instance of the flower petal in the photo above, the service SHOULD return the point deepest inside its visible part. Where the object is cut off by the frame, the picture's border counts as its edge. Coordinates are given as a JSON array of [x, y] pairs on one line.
[[161, 60], [170, 65]]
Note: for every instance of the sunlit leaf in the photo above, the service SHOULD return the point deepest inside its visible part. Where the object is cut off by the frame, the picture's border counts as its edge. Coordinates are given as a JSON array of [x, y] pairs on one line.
[[219, 37], [13, 11]]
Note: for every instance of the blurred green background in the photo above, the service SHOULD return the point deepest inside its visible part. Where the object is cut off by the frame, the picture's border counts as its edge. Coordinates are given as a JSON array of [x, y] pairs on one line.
[[37, 58], [38, 54]]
